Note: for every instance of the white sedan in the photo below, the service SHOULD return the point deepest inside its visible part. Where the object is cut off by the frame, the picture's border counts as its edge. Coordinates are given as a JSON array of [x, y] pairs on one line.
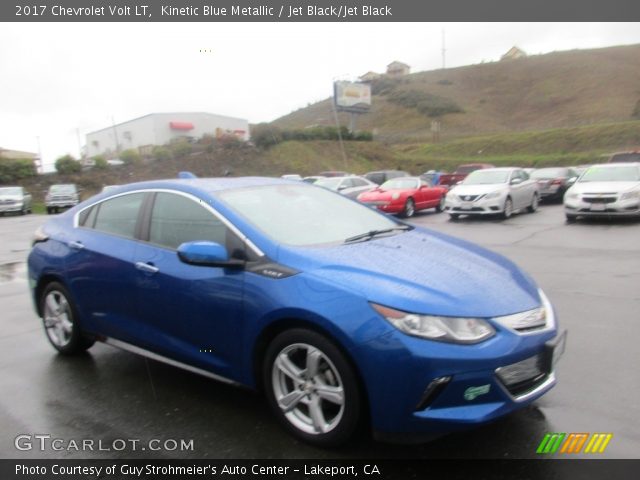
[[609, 190], [493, 191]]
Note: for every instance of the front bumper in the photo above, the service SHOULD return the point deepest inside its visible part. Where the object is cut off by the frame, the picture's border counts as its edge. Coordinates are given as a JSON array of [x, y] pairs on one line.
[[387, 207], [602, 207], [61, 204], [479, 206], [11, 207], [481, 382]]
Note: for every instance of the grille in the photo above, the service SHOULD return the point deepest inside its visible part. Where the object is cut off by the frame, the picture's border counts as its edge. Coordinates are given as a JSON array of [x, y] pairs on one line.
[[599, 199], [468, 198]]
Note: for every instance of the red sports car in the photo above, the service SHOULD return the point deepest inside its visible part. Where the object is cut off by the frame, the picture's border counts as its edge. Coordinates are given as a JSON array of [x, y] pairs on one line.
[[405, 196]]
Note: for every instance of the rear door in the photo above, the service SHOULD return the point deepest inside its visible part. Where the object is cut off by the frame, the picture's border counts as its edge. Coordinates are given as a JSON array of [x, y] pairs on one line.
[[100, 271]]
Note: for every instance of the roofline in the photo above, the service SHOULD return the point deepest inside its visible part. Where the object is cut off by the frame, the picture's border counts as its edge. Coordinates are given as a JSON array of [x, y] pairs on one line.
[[163, 113]]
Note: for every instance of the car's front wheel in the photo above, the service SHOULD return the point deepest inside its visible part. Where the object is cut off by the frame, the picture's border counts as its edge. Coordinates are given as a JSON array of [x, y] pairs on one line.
[[507, 211], [312, 387], [409, 208], [534, 204], [60, 320], [440, 206]]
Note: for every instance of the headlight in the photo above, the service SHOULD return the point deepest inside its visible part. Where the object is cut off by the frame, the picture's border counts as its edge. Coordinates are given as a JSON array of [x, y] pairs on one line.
[[491, 195], [571, 196], [630, 195], [531, 321], [443, 329], [39, 236], [395, 196]]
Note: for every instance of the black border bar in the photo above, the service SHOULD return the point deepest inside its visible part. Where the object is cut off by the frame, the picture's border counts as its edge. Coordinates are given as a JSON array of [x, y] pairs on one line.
[[319, 10]]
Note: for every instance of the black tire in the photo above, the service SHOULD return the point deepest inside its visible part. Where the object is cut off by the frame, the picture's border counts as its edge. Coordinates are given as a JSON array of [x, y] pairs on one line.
[[440, 206], [307, 414], [61, 324], [49, 210], [571, 217], [454, 216], [409, 208], [508, 209], [534, 204]]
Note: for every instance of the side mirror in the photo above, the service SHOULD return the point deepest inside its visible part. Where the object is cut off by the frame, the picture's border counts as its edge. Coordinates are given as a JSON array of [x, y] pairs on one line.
[[207, 254], [516, 181], [572, 180]]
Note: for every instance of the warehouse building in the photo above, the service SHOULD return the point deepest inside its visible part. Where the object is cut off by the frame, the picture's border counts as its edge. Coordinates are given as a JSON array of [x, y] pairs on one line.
[[145, 132]]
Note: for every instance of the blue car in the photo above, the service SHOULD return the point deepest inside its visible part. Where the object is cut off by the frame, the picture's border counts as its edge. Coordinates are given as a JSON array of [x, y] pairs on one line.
[[343, 316]]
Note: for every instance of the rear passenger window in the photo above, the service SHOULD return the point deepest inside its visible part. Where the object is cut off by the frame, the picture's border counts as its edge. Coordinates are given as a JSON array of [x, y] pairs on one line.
[[177, 219], [118, 215]]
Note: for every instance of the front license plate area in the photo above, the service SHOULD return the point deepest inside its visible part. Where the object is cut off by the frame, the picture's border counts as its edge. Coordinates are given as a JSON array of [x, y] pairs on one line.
[[598, 207]]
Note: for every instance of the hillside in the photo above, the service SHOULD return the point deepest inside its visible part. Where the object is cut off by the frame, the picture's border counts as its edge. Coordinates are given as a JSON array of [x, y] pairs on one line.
[[541, 92]]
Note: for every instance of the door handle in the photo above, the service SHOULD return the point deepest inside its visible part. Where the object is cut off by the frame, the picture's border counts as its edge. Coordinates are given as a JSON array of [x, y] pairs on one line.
[[147, 267], [76, 245]]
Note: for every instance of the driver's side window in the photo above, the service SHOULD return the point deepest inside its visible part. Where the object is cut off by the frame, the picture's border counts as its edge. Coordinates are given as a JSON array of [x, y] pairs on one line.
[[176, 219]]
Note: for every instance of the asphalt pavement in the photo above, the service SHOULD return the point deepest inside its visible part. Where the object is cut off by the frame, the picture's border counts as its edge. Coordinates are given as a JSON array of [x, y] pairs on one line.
[[590, 271]]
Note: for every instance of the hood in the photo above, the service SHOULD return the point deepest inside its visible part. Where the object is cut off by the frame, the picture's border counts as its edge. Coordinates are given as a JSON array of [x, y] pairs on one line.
[[603, 187], [422, 272], [477, 189], [11, 198], [380, 194]]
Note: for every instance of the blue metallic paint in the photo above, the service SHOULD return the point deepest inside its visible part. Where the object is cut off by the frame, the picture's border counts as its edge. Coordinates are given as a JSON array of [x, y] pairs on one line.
[[185, 308]]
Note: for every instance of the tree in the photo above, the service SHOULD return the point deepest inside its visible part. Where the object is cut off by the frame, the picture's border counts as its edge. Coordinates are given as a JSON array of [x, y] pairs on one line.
[[100, 163], [130, 156], [67, 164]]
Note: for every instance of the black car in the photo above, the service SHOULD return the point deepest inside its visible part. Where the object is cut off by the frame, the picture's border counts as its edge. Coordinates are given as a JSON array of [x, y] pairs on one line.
[[554, 181], [382, 176]]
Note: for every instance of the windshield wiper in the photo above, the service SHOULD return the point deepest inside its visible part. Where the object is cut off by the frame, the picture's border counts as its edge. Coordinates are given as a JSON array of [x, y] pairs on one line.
[[374, 233]]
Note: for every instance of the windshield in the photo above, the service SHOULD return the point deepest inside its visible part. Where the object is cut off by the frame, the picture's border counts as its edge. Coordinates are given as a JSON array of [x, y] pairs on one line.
[[611, 174], [625, 157], [62, 189], [11, 191], [487, 177], [330, 183], [304, 215], [549, 173], [400, 183]]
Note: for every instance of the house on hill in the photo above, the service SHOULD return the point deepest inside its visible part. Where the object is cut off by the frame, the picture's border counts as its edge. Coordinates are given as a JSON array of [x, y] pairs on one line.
[[397, 69], [369, 76], [513, 54]]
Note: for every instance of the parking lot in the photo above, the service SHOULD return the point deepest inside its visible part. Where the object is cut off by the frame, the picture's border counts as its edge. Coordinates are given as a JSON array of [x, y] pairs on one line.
[[590, 270]]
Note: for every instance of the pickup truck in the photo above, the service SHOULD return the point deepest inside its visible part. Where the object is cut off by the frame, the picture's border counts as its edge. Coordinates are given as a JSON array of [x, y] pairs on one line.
[[450, 179]]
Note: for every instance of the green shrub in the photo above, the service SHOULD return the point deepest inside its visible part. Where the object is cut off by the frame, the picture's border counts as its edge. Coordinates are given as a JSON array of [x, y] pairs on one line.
[[426, 103], [181, 149], [161, 153], [264, 135], [15, 169], [100, 163], [67, 164], [131, 156]]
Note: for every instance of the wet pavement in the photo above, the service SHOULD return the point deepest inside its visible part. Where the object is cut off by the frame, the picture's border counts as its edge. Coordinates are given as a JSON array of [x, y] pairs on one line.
[[590, 270]]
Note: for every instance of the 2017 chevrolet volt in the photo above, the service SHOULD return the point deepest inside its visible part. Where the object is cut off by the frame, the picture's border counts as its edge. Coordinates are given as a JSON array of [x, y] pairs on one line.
[[342, 315]]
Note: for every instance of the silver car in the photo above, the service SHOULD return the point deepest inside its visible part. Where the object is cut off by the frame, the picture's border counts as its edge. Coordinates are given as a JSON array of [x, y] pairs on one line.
[[350, 186], [493, 191], [61, 196], [14, 200], [608, 190]]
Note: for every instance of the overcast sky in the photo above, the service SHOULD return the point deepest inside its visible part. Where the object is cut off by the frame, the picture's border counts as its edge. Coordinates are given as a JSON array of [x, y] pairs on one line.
[[59, 81]]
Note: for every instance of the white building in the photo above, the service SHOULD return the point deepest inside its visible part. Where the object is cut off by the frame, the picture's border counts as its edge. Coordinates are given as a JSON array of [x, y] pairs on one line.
[[144, 133]]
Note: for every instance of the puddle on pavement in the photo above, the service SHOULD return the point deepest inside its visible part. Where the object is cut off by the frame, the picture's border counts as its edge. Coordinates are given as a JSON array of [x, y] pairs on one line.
[[12, 271]]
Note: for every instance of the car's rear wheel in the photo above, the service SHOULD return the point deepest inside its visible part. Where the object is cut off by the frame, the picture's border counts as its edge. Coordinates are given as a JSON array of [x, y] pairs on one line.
[[440, 206], [507, 212], [409, 208], [454, 216], [312, 387], [534, 203], [60, 320], [571, 217]]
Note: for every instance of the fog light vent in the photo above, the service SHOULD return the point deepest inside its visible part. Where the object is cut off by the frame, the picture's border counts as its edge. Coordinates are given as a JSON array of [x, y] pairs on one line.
[[434, 389]]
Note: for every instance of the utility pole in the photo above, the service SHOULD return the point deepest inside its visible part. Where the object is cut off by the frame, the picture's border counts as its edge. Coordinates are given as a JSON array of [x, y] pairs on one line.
[[115, 134], [444, 50]]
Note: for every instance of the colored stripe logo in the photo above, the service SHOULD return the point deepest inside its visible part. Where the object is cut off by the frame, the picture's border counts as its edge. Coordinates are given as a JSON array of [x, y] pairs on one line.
[[574, 443]]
